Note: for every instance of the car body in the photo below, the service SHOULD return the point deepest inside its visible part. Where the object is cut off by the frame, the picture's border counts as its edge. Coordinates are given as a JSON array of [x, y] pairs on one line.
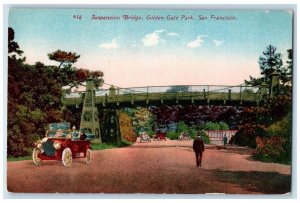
[[144, 137], [160, 135], [58, 144]]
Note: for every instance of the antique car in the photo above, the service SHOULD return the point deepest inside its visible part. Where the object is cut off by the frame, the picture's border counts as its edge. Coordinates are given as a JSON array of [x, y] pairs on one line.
[[160, 135], [61, 144], [184, 137], [144, 137]]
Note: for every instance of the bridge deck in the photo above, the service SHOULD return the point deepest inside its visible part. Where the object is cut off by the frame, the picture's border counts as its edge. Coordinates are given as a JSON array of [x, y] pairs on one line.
[[129, 99]]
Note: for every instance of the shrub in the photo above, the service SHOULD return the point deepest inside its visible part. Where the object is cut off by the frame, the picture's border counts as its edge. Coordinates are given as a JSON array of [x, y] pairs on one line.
[[182, 127], [269, 146], [276, 146], [127, 131], [173, 135], [204, 136], [241, 138], [215, 126], [223, 126]]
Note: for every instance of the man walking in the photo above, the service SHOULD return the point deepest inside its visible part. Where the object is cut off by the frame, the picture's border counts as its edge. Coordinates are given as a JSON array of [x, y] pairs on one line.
[[198, 147]]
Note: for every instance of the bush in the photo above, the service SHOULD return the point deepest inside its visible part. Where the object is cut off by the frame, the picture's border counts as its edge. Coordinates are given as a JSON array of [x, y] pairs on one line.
[[223, 126], [173, 135], [243, 139], [192, 131], [126, 128], [276, 146], [271, 149], [181, 127], [150, 133], [204, 136], [215, 126], [272, 146]]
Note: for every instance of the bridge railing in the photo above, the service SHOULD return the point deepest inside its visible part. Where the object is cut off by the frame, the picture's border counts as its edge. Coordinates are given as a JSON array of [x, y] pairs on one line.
[[194, 92]]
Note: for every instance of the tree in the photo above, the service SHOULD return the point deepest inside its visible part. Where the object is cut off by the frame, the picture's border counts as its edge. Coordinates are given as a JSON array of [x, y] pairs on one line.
[[143, 120], [286, 76], [13, 47], [35, 96], [63, 57], [175, 89], [270, 61]]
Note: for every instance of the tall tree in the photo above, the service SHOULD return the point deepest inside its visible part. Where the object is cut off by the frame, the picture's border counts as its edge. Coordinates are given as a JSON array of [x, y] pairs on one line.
[[270, 61], [63, 57], [34, 96], [287, 73], [13, 47]]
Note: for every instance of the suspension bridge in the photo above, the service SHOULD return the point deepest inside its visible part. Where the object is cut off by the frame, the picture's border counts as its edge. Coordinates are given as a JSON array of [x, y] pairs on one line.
[[157, 95], [105, 102]]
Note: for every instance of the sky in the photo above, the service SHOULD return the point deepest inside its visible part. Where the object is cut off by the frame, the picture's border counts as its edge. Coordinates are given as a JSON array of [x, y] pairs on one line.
[[156, 47]]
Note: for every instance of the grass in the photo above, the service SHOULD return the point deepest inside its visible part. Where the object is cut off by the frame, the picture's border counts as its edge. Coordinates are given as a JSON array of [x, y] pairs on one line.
[[20, 158], [101, 146], [95, 146], [283, 159]]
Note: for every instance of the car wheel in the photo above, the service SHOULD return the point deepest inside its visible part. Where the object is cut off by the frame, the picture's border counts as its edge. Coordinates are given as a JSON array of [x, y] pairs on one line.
[[88, 156], [67, 157], [36, 160]]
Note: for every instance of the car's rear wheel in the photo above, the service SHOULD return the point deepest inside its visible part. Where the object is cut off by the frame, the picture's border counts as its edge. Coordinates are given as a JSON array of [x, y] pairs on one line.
[[67, 157], [36, 160], [88, 156]]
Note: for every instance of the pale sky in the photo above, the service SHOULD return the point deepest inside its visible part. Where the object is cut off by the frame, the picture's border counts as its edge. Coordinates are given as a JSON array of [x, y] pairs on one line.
[[152, 49]]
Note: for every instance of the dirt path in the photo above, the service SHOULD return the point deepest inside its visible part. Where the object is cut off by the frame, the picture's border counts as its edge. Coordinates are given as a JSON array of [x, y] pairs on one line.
[[156, 167]]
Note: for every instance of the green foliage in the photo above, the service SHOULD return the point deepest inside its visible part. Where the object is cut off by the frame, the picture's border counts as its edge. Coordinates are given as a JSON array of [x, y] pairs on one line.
[[143, 120], [13, 47], [181, 127], [223, 126], [63, 57], [35, 96], [204, 136], [175, 89], [173, 135], [270, 61], [277, 146], [215, 126], [271, 149], [19, 158], [192, 131], [102, 146], [255, 121]]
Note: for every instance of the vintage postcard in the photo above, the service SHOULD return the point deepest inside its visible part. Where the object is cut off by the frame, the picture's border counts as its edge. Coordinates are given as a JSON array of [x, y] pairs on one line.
[[150, 101]]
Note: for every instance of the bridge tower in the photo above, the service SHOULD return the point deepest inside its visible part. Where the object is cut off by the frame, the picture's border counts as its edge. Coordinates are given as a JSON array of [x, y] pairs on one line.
[[89, 115], [274, 84], [111, 128]]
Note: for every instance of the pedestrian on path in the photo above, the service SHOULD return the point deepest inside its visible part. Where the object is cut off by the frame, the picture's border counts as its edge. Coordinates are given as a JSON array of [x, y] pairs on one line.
[[225, 139], [198, 147]]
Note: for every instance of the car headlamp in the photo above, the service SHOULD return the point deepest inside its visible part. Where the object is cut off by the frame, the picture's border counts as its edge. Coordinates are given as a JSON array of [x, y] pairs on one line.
[[44, 139], [56, 145], [39, 145]]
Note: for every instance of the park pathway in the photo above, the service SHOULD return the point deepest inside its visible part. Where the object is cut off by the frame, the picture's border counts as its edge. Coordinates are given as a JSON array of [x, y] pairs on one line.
[[154, 168]]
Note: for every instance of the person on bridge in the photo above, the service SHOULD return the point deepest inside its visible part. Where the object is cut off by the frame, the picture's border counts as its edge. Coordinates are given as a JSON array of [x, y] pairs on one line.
[[198, 147]]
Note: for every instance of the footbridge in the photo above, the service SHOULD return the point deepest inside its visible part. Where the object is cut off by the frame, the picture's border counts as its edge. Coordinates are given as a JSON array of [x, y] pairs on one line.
[[105, 102], [157, 95]]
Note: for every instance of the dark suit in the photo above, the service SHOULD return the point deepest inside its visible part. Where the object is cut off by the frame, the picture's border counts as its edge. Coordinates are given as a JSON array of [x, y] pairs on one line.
[[198, 147]]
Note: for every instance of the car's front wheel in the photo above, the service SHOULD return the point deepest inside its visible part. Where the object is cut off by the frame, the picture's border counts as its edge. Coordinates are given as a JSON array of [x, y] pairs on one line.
[[67, 157], [88, 156], [36, 160]]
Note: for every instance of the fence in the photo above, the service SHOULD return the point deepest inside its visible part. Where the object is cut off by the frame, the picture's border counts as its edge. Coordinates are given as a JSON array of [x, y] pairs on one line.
[[218, 134]]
